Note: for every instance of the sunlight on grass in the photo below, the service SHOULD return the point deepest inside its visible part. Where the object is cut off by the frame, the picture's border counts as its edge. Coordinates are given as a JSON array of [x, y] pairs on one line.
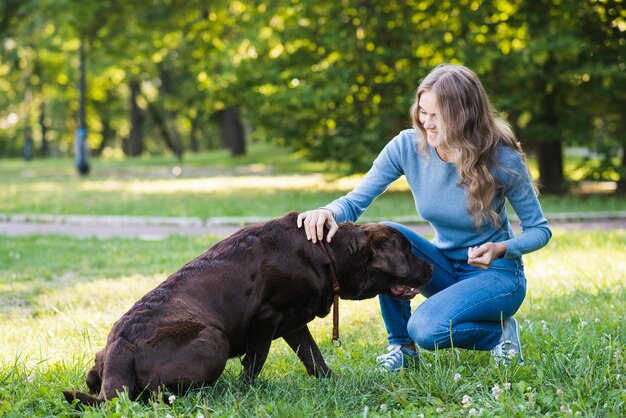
[[89, 308], [579, 266], [573, 328], [223, 183], [206, 185]]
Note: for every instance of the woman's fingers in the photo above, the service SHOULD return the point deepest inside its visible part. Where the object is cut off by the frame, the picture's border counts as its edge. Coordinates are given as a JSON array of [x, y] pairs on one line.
[[333, 227], [314, 221]]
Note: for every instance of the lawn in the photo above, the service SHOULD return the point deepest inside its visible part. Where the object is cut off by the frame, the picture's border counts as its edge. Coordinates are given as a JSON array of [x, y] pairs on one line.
[[267, 183], [60, 295]]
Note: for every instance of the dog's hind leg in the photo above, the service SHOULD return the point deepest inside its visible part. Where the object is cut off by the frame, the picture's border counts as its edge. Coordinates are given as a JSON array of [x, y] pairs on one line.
[[179, 364], [116, 374], [118, 371]]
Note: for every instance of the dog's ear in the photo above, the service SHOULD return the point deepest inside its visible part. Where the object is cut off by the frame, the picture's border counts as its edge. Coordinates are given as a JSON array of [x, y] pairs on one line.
[[387, 255]]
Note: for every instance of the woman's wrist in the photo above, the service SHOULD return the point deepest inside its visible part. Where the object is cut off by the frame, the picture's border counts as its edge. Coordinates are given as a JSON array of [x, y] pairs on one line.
[[500, 249]]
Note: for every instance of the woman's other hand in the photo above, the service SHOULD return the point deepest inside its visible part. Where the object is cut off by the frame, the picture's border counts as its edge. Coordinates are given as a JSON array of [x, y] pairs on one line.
[[314, 222], [483, 256]]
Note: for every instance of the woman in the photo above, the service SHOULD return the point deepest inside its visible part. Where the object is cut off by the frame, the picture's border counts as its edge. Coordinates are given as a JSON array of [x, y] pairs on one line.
[[461, 162]]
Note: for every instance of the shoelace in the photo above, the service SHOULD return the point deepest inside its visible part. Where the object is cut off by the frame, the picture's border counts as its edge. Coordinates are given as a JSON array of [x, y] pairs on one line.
[[391, 359], [390, 351]]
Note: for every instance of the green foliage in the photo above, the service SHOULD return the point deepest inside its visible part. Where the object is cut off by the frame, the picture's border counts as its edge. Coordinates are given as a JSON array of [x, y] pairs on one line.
[[59, 297], [334, 79]]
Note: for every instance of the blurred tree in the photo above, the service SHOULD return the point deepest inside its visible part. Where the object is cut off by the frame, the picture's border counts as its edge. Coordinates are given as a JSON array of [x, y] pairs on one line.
[[332, 78], [335, 79], [80, 21], [603, 86], [224, 62], [538, 58]]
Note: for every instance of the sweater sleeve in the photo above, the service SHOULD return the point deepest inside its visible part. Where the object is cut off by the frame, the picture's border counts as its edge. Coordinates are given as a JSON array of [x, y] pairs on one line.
[[386, 168], [521, 194]]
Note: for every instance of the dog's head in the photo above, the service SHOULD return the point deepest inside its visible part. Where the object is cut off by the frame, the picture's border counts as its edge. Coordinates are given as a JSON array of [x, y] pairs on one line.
[[374, 258]]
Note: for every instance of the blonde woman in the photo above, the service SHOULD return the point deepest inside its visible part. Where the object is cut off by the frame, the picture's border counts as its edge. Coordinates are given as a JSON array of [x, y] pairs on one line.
[[461, 162]]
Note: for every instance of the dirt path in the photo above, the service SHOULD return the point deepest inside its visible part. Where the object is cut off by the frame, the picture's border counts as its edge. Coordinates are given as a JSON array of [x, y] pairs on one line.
[[158, 228]]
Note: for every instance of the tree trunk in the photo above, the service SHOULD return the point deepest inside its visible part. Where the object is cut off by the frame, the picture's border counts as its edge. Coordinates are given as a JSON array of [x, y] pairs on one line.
[[80, 144], [107, 132], [165, 117], [621, 183], [193, 132], [137, 118], [28, 131], [161, 123], [232, 132], [43, 126], [175, 144], [550, 146], [550, 159]]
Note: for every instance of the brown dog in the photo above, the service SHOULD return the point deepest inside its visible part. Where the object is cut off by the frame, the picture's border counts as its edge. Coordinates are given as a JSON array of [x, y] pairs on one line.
[[264, 282]]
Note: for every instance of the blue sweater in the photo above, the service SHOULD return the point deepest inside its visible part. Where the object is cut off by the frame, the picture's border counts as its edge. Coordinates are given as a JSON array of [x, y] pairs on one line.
[[442, 203]]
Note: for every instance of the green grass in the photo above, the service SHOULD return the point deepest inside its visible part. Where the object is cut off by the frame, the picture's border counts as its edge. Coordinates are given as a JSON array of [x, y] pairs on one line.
[[268, 182], [60, 295]]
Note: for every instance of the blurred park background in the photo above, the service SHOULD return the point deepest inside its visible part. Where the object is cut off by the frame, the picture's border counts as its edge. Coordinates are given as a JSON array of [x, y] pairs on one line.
[[111, 80], [196, 112]]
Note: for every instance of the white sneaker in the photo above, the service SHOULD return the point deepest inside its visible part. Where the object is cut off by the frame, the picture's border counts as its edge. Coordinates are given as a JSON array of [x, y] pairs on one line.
[[511, 345], [396, 358]]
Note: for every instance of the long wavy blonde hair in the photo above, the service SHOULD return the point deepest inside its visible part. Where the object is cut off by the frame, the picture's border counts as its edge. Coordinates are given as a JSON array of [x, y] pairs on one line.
[[470, 129]]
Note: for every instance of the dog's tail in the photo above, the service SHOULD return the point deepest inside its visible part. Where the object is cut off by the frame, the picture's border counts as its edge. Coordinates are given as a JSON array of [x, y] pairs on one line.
[[83, 398], [118, 372]]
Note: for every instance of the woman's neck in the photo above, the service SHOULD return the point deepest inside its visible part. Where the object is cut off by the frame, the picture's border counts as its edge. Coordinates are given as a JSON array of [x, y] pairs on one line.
[[445, 155]]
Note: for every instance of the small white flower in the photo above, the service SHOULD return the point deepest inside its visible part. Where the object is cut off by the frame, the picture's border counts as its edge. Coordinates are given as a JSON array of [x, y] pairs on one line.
[[171, 399], [618, 376], [383, 407], [200, 415], [472, 412], [439, 410], [559, 392], [467, 401], [507, 386], [565, 409], [457, 377], [512, 353], [421, 416], [168, 416], [495, 392]]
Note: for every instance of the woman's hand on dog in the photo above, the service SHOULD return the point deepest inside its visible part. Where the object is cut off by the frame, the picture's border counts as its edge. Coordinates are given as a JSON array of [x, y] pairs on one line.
[[314, 221]]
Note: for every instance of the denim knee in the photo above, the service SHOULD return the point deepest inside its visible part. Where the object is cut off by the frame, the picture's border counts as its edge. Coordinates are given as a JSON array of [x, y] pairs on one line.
[[427, 332]]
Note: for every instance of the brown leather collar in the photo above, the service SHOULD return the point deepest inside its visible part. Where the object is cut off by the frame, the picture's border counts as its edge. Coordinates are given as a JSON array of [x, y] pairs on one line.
[[336, 290]]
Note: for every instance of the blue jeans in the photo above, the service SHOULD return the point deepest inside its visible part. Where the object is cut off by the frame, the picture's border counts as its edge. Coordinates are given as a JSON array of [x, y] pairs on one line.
[[465, 305]]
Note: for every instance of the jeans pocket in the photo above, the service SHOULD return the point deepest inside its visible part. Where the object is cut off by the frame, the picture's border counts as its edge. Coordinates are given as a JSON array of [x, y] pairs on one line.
[[509, 267]]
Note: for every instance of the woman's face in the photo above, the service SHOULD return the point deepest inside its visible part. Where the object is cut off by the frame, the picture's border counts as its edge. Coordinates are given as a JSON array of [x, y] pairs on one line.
[[428, 113], [429, 118]]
